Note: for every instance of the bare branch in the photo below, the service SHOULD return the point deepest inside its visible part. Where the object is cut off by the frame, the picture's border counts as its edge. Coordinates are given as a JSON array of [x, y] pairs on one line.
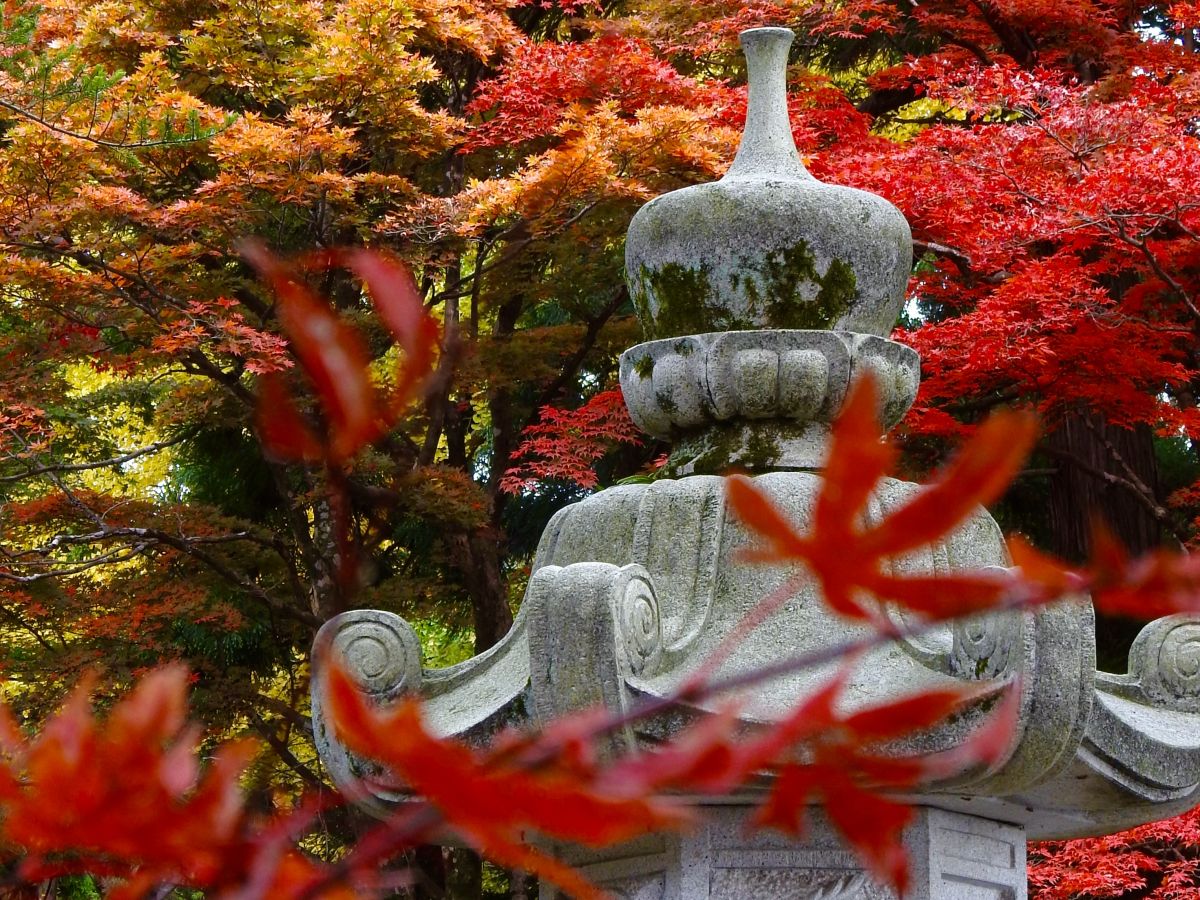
[[124, 457], [31, 116]]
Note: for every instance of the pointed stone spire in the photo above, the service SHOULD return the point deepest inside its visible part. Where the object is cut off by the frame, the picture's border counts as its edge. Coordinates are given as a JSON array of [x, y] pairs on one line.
[[767, 246], [767, 144], [763, 293]]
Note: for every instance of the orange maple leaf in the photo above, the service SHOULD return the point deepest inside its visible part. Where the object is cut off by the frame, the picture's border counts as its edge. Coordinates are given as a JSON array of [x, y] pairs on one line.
[[490, 800], [851, 560]]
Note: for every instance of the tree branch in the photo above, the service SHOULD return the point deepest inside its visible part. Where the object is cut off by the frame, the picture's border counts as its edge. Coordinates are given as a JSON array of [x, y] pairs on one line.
[[127, 456], [30, 116]]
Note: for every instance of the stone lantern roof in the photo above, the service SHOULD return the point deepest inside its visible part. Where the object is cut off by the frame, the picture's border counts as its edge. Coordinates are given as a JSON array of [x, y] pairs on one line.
[[762, 295]]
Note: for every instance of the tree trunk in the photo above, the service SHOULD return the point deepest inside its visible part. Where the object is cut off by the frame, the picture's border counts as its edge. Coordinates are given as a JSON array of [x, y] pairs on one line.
[[521, 884], [477, 557], [1110, 474], [464, 875], [429, 863], [1107, 473], [325, 598]]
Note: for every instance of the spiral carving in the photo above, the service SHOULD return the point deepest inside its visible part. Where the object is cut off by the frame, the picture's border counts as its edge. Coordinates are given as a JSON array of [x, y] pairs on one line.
[[983, 646], [380, 649], [1179, 660], [1165, 661], [641, 625]]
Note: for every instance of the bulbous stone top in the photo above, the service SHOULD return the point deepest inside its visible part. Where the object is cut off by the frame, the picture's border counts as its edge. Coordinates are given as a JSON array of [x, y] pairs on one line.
[[767, 246]]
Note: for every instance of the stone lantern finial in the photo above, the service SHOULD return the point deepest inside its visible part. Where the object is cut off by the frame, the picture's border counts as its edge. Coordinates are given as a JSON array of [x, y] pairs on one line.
[[765, 292], [767, 246], [767, 143]]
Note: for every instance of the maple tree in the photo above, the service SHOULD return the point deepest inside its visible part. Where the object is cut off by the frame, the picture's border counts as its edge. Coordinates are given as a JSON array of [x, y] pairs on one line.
[[1045, 152], [1156, 861]]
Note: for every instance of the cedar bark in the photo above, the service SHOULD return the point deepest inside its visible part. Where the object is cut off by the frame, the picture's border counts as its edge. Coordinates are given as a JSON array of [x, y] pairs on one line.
[[1108, 473]]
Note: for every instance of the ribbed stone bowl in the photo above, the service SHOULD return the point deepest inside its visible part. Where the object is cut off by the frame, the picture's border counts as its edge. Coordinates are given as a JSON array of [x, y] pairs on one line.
[[681, 384]]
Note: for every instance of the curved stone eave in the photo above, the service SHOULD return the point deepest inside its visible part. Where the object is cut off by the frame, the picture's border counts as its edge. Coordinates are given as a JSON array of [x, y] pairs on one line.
[[666, 723], [472, 700], [1151, 752], [1078, 802], [770, 702]]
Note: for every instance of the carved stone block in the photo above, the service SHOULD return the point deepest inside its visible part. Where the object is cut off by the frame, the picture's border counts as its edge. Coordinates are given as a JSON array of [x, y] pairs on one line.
[[953, 857]]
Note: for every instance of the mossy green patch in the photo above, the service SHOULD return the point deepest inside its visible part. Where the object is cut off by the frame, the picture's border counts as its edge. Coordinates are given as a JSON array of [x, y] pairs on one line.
[[715, 451], [776, 295], [644, 366], [839, 285], [782, 289], [762, 448], [666, 403], [686, 302]]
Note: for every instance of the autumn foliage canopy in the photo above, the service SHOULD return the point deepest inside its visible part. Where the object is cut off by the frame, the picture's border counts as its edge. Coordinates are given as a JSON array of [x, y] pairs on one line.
[[312, 305]]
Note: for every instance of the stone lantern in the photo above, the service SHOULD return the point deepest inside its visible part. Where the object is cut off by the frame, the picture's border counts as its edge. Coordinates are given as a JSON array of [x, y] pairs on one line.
[[763, 294]]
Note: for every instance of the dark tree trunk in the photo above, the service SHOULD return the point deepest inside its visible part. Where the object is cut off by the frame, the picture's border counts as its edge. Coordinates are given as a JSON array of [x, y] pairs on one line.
[[464, 875], [477, 557], [429, 864], [325, 597], [477, 553], [1110, 474], [1107, 473], [521, 884]]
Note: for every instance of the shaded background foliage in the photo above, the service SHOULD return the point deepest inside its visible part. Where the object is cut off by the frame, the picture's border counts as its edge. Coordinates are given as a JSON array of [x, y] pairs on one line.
[[1045, 152]]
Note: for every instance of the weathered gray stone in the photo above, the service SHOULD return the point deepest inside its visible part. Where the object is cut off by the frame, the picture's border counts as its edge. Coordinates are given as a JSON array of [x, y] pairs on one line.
[[953, 857], [759, 400], [767, 246]]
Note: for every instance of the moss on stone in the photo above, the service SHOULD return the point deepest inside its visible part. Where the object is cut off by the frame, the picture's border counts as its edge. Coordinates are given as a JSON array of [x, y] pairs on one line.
[[684, 297], [684, 348], [644, 366], [775, 292], [708, 453], [641, 305], [839, 285], [776, 296], [782, 289], [715, 450], [762, 448], [686, 302]]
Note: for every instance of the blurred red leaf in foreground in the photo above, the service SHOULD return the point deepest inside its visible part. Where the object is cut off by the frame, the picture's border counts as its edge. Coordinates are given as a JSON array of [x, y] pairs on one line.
[[850, 559], [127, 799], [335, 359], [554, 785]]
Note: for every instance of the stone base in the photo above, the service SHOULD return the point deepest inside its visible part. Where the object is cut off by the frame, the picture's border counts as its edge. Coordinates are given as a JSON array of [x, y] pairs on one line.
[[953, 857]]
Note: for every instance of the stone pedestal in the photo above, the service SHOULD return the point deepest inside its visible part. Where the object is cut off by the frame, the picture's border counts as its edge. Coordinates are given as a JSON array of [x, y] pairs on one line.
[[953, 857]]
